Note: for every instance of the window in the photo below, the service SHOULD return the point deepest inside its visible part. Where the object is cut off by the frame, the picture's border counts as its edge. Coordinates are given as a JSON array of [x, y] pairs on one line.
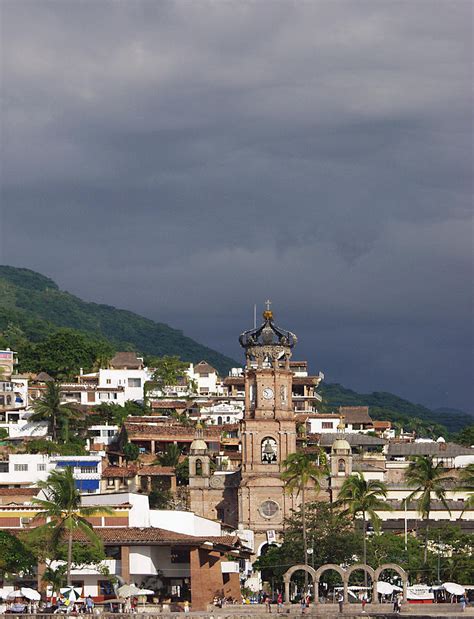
[[135, 382], [105, 587], [21, 467], [111, 482], [269, 450], [268, 509], [108, 381], [198, 468], [3, 467], [115, 396], [112, 552], [88, 469], [327, 425], [41, 467], [179, 555]]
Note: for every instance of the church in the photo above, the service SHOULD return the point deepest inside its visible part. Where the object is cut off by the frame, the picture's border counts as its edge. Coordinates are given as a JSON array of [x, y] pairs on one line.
[[253, 499]]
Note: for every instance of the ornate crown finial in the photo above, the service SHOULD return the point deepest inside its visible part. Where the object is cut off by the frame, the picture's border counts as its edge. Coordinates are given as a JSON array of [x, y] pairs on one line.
[[267, 341], [268, 314]]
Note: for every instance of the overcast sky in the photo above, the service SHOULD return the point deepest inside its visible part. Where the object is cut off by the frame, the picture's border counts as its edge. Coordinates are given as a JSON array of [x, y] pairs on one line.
[[186, 160]]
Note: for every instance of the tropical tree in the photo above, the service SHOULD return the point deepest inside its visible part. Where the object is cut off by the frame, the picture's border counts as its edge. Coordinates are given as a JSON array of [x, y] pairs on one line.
[[430, 480], [15, 556], [64, 514], [50, 408], [170, 457], [302, 470], [362, 497], [131, 452], [467, 480]]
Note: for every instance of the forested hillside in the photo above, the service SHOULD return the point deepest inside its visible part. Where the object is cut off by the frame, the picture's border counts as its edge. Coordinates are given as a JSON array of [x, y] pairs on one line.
[[32, 302], [393, 408]]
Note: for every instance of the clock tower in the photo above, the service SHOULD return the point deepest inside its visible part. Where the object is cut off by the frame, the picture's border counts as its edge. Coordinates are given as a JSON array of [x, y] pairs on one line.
[[268, 429]]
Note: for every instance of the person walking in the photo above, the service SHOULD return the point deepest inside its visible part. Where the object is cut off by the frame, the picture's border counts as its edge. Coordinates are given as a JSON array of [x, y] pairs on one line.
[[340, 601], [89, 604], [280, 602], [186, 607], [463, 603]]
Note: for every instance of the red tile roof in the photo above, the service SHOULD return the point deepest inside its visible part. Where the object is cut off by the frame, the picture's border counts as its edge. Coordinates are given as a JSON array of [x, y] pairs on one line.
[[155, 535], [19, 491], [119, 471], [156, 469], [203, 367]]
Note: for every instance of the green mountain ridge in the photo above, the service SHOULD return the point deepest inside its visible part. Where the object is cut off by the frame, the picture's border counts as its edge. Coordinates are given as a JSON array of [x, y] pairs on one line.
[[34, 305], [387, 406]]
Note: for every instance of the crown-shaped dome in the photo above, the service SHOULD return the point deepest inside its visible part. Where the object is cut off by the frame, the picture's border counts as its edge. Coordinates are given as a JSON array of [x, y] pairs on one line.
[[268, 340]]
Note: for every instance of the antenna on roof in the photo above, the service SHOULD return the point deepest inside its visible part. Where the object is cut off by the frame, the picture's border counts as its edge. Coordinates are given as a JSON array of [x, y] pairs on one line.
[[255, 316]]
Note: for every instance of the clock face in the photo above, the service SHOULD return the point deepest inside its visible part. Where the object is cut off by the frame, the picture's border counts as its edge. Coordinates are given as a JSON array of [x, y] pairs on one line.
[[268, 393]]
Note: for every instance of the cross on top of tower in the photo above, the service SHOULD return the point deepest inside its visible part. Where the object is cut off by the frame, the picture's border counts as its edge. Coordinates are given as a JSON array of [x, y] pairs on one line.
[[267, 304]]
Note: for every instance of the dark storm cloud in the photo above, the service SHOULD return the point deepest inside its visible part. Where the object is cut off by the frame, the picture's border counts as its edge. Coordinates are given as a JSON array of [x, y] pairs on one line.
[[186, 160]]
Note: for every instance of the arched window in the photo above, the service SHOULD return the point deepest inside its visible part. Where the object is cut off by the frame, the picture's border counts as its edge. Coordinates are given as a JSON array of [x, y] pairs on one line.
[[198, 468], [341, 466], [269, 450], [219, 421]]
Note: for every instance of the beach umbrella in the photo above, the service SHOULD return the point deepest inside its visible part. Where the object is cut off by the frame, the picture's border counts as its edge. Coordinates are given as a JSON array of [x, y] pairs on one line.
[[454, 588], [385, 588], [31, 594], [3, 594], [126, 591], [144, 592], [15, 594], [71, 593]]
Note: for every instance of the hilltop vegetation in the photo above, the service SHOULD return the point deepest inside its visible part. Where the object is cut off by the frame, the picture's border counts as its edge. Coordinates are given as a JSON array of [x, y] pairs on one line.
[[405, 414], [33, 303]]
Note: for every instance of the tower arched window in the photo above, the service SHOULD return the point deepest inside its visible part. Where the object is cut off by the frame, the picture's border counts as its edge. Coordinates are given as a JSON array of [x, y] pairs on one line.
[[198, 468], [341, 466], [269, 450]]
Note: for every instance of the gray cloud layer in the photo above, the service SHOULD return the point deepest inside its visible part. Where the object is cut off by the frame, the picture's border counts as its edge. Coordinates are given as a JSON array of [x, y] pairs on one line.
[[186, 160]]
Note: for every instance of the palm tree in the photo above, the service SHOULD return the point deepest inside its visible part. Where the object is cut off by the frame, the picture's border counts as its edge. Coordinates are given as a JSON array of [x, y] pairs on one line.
[[302, 470], [63, 512], [363, 497], [50, 408], [429, 479], [170, 457], [467, 480]]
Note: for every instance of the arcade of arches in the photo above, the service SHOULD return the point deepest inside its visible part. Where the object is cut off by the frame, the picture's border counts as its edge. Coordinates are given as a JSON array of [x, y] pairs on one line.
[[345, 574]]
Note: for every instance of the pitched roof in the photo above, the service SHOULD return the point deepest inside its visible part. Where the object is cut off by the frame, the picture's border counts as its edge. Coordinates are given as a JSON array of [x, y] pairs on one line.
[[19, 491], [126, 360], [185, 433], [353, 438], [164, 404], [203, 367], [119, 471], [156, 469], [43, 377], [355, 414], [441, 450], [157, 536], [382, 425]]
